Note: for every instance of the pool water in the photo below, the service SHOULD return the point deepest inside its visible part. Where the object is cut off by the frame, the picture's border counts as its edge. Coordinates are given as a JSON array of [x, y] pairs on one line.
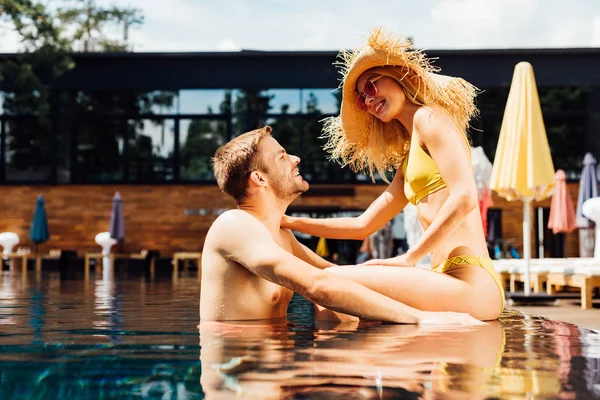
[[131, 338]]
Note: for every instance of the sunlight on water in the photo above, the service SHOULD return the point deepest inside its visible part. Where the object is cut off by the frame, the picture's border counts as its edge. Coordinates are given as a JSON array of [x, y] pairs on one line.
[[132, 338]]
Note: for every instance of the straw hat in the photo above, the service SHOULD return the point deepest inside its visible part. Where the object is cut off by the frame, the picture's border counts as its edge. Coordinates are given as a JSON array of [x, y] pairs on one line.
[[350, 135]]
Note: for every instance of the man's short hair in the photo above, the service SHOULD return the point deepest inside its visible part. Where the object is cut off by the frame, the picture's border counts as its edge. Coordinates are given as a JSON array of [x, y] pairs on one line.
[[235, 160]]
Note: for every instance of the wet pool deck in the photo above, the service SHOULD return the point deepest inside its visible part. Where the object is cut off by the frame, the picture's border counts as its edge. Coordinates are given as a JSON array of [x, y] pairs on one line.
[[567, 309]]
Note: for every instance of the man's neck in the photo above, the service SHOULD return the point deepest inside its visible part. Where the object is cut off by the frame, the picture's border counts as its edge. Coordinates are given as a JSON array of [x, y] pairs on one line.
[[267, 210]]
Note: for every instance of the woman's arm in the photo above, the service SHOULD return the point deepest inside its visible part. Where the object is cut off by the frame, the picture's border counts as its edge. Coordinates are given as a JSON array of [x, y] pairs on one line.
[[450, 152], [382, 210]]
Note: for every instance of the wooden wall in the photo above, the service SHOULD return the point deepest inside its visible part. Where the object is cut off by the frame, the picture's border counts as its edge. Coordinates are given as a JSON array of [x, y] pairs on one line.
[[155, 215], [176, 217]]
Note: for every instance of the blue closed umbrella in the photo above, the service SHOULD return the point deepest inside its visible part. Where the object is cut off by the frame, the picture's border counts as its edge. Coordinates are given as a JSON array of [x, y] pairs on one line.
[[38, 232], [117, 220], [588, 188]]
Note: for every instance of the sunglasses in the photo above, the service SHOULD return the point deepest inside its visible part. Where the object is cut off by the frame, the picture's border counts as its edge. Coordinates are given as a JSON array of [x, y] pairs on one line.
[[369, 90]]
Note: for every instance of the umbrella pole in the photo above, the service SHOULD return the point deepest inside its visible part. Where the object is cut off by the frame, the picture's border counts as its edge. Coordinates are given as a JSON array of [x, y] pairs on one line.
[[527, 243], [597, 241], [540, 213]]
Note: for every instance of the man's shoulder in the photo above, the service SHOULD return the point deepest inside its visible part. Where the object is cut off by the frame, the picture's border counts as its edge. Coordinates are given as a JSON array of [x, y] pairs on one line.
[[233, 218], [231, 222]]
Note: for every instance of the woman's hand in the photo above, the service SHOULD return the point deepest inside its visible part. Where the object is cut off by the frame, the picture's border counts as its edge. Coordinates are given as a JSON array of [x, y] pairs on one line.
[[399, 261], [286, 222]]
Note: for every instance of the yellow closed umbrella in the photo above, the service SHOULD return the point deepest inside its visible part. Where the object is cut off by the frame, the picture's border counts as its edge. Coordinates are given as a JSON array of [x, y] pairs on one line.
[[523, 168], [322, 249]]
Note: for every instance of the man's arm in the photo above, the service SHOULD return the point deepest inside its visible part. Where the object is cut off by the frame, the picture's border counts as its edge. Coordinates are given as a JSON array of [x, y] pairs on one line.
[[243, 239], [306, 254]]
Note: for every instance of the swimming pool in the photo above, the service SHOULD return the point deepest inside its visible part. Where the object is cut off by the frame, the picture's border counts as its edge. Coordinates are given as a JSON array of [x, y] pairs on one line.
[[131, 338]]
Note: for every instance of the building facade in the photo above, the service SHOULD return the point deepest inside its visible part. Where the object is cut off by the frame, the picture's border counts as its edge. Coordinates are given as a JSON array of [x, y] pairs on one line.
[[146, 125]]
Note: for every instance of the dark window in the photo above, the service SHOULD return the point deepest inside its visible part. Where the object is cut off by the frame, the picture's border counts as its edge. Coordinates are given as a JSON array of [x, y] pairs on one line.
[[100, 150], [150, 150], [199, 139], [28, 150]]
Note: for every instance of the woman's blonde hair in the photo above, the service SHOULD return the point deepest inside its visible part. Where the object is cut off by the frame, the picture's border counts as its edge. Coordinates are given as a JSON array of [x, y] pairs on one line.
[[365, 143]]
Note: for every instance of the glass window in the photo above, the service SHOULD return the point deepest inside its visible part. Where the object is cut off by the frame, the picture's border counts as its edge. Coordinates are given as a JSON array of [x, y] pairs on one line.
[[106, 103], [300, 136], [284, 101], [566, 137], [126, 102], [23, 103], [321, 101], [100, 149], [29, 150], [249, 108], [199, 139], [492, 99], [204, 101], [158, 102], [150, 150], [302, 101], [563, 98]]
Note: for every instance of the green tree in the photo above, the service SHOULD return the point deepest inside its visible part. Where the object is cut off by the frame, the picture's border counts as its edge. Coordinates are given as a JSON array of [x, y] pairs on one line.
[[89, 21], [49, 36], [43, 58], [202, 140], [249, 109]]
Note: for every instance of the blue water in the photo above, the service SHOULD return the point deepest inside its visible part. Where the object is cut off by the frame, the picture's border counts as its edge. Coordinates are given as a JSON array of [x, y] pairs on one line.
[[131, 338]]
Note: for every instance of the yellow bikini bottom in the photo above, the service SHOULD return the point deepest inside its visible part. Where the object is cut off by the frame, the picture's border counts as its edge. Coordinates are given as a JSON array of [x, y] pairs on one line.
[[483, 262]]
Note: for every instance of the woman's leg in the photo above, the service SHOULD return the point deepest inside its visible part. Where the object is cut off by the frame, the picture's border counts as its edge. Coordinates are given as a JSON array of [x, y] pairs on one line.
[[464, 288]]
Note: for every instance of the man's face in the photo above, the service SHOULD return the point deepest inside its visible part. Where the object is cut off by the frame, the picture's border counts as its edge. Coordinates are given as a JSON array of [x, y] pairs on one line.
[[282, 170]]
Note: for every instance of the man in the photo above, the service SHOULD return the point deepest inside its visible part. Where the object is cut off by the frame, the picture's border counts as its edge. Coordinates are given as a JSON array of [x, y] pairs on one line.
[[251, 267]]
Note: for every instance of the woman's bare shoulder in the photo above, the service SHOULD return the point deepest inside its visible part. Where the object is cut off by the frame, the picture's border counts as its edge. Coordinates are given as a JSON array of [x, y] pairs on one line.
[[430, 120], [432, 114]]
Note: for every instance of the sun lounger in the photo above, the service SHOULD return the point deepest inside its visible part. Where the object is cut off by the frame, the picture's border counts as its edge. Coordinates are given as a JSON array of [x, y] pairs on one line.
[[539, 269], [185, 256], [586, 278]]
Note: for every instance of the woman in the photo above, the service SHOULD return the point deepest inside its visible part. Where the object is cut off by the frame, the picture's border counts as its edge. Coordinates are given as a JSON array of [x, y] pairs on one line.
[[398, 115]]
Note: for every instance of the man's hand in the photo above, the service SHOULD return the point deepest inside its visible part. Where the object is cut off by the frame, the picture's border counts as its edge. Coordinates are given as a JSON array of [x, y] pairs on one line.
[[399, 261], [448, 319]]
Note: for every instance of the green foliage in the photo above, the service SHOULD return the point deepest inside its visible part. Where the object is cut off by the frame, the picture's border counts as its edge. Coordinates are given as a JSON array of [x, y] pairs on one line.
[[249, 108], [202, 139], [48, 37], [89, 21]]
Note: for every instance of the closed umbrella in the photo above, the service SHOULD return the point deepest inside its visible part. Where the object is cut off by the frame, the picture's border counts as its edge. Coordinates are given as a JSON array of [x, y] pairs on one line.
[[322, 249], [38, 231], [523, 168], [117, 220], [562, 212], [588, 188], [482, 172]]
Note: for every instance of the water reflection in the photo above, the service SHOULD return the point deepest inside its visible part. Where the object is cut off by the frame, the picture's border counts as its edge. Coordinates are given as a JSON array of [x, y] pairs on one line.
[[370, 359], [124, 338], [108, 304]]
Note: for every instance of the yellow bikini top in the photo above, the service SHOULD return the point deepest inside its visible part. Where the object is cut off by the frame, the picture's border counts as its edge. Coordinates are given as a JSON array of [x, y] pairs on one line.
[[421, 176]]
